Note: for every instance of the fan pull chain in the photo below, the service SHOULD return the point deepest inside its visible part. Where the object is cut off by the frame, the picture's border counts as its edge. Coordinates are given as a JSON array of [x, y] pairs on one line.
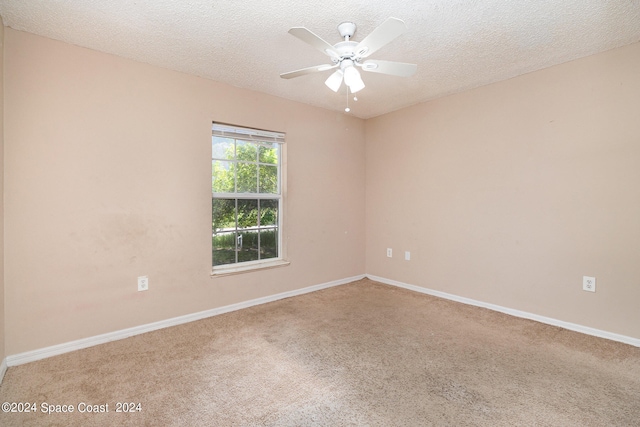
[[347, 109]]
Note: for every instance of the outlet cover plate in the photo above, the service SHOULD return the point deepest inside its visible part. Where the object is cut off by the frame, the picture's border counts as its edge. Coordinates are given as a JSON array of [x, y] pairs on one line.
[[588, 283], [143, 283]]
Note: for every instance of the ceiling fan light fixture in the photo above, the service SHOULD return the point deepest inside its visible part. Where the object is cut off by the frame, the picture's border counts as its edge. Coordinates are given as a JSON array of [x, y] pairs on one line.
[[352, 79], [334, 81], [350, 74], [357, 86]]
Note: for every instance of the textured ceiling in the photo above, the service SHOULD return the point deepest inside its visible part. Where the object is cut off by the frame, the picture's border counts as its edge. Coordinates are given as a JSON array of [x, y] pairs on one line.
[[457, 44]]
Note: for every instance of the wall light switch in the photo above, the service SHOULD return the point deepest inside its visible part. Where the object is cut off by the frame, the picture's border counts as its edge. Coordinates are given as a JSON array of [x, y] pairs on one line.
[[407, 256], [389, 252]]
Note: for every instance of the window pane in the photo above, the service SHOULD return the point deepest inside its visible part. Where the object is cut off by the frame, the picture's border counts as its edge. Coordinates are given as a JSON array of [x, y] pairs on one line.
[[268, 243], [248, 246], [268, 212], [247, 213], [222, 148], [247, 177], [223, 215], [268, 154], [222, 176], [246, 151], [268, 179], [224, 248]]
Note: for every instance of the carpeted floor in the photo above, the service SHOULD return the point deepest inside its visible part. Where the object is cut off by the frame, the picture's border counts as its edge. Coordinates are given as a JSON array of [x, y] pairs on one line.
[[362, 354]]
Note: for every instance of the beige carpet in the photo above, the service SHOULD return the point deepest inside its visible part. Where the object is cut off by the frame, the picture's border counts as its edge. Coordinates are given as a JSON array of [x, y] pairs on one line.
[[361, 354]]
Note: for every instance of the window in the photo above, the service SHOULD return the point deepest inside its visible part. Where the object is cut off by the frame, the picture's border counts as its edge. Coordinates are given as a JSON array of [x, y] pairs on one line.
[[246, 198]]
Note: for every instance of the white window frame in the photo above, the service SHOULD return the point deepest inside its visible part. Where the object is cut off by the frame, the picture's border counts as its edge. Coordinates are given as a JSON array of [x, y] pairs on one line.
[[255, 135]]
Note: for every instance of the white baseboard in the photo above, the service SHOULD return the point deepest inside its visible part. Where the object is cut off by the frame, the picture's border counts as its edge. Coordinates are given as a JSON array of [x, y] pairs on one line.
[[542, 319], [3, 369], [43, 353]]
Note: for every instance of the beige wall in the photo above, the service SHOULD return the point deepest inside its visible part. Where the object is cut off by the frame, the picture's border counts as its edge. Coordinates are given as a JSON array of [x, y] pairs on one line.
[[507, 194], [510, 193], [2, 334], [107, 178]]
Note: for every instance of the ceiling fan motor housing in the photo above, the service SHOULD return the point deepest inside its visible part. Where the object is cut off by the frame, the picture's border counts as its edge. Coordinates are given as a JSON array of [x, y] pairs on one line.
[[346, 50]]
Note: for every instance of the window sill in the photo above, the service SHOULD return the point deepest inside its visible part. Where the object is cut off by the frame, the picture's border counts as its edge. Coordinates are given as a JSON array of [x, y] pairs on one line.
[[237, 269]]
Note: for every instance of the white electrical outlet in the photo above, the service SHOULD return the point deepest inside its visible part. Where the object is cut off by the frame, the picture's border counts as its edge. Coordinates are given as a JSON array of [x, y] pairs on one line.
[[407, 256], [143, 283], [389, 252], [588, 283]]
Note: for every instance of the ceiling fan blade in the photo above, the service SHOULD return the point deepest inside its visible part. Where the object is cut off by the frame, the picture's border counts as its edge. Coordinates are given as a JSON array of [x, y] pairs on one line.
[[383, 34], [314, 40], [309, 70], [401, 69]]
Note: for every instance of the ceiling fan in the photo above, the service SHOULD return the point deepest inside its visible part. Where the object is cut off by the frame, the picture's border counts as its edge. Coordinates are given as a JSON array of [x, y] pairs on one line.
[[348, 55]]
